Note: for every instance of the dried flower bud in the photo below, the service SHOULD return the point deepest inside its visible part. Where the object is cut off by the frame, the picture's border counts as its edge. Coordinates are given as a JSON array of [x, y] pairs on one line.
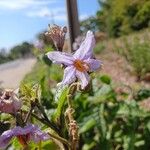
[[73, 126], [9, 102], [57, 34]]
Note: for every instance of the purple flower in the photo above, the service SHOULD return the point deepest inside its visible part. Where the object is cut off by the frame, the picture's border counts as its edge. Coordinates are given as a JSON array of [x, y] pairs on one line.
[[24, 135], [79, 64], [39, 45], [9, 102]]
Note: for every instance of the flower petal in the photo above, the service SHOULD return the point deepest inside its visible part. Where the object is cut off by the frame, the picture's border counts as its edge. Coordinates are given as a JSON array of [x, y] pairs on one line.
[[35, 133], [86, 49], [83, 77], [5, 138], [60, 58], [38, 136], [22, 131], [69, 75], [94, 64]]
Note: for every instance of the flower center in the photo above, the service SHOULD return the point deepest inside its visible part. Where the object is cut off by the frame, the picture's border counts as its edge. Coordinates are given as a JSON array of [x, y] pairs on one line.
[[23, 139], [80, 65]]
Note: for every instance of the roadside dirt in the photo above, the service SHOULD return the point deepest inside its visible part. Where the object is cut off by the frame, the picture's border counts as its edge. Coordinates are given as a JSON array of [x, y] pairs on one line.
[[13, 72], [119, 70]]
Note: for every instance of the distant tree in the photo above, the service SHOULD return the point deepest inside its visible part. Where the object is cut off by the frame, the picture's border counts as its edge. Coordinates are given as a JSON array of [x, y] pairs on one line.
[[22, 50], [89, 24], [4, 56]]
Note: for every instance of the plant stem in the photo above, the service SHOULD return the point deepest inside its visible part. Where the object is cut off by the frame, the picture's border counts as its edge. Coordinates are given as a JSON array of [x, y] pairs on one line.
[[60, 139], [48, 123], [28, 115], [40, 107], [73, 127], [40, 145]]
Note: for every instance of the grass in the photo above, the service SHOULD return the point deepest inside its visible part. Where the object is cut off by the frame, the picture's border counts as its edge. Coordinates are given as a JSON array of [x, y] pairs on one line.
[[135, 48], [41, 70]]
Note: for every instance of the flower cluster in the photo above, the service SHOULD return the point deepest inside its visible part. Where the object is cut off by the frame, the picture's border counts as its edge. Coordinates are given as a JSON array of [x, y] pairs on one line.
[[79, 64]]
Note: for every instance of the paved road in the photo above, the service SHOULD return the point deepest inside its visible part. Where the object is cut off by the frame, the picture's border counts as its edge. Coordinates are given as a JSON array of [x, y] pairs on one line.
[[12, 73]]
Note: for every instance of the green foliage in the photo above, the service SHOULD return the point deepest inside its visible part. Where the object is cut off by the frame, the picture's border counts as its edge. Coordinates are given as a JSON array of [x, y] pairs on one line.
[[105, 79], [137, 53], [107, 119], [112, 124], [142, 94], [29, 93], [99, 47], [22, 50], [142, 18], [119, 17], [4, 57], [61, 99], [139, 57], [88, 24], [87, 126]]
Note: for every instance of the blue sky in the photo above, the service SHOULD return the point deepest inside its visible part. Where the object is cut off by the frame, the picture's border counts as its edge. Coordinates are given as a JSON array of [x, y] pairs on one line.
[[21, 20]]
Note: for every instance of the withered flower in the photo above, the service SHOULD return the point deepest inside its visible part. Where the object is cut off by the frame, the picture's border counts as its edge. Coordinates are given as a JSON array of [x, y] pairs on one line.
[[9, 102], [57, 34]]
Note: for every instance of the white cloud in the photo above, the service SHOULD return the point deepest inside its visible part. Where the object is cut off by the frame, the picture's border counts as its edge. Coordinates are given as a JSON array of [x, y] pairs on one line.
[[61, 17], [35, 8], [21, 4], [55, 13], [43, 12], [83, 16]]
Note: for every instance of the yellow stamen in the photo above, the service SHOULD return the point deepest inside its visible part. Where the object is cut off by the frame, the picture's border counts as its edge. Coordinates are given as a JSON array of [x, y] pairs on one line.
[[81, 66]]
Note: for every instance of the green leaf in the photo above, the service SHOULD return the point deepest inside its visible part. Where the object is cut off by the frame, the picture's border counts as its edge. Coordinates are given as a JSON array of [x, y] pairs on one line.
[[88, 125], [16, 144], [123, 109], [139, 143], [103, 126], [148, 125], [61, 98], [29, 92], [105, 93], [105, 79], [88, 146]]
